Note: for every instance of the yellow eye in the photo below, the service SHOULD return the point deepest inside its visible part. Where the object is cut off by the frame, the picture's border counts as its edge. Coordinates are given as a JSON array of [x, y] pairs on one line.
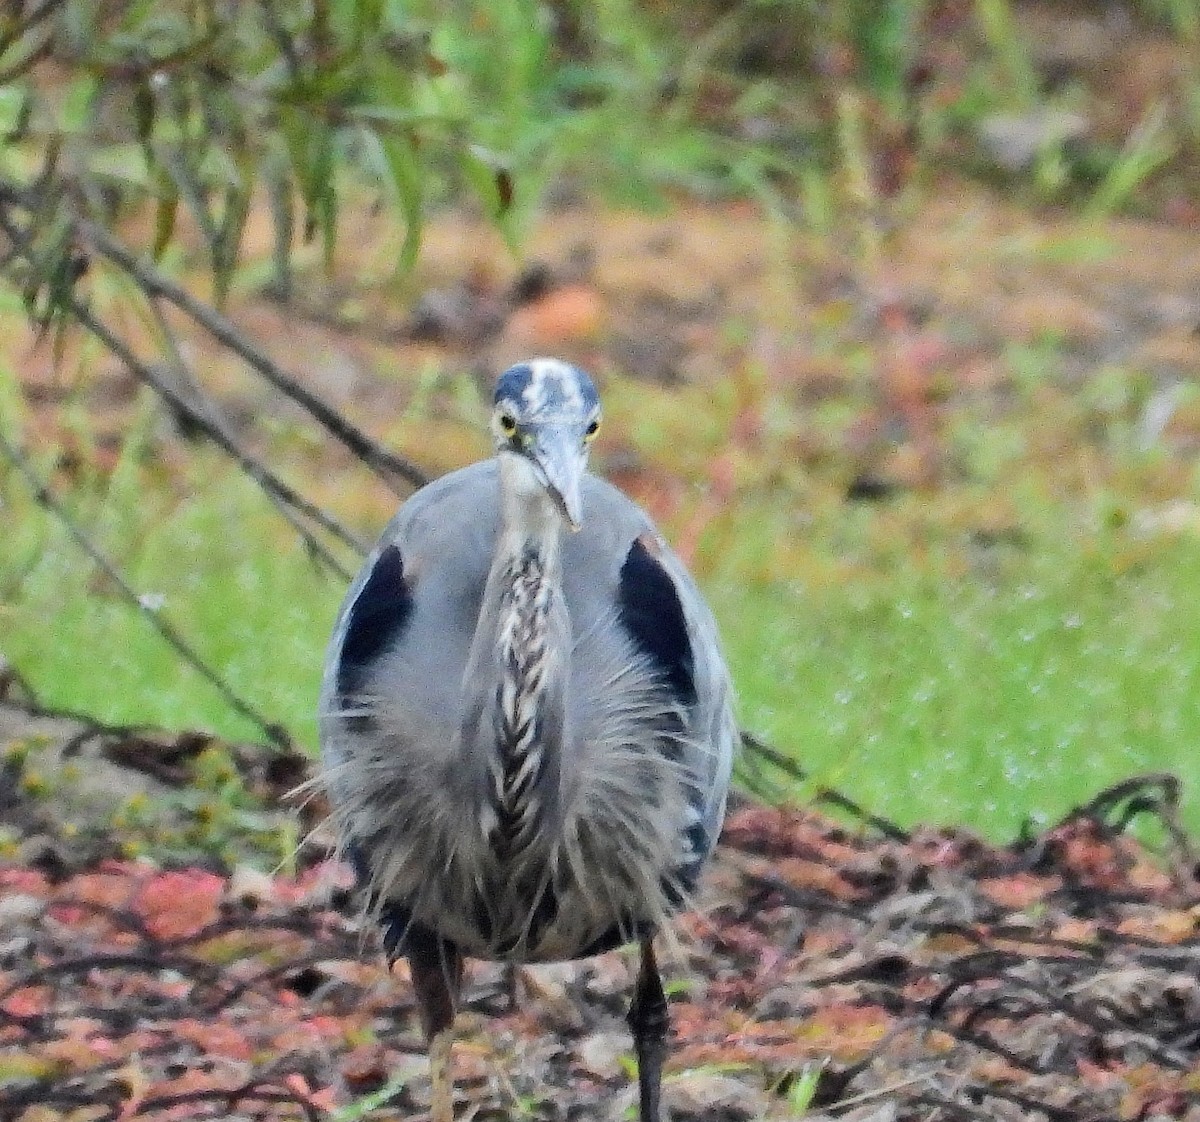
[[508, 424], [590, 432]]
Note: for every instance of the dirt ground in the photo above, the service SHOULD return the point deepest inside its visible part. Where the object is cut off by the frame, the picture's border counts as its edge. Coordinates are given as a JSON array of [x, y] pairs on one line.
[[915, 976]]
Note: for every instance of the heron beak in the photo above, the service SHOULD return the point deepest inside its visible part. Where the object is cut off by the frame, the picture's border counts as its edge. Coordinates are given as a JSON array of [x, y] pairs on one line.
[[557, 454]]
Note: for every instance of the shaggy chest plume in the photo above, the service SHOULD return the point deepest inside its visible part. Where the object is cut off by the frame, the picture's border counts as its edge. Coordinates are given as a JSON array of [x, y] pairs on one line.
[[522, 656]]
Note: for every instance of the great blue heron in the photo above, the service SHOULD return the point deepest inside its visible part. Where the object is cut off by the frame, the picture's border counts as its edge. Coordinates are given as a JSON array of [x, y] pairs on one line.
[[527, 734]]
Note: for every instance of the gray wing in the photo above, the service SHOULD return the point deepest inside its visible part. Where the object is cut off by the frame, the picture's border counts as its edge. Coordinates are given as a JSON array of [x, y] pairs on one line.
[[409, 617], [626, 589], [713, 712]]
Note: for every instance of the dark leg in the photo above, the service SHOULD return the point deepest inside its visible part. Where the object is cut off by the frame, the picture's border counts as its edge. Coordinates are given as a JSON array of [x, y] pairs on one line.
[[437, 979], [649, 1020], [511, 980]]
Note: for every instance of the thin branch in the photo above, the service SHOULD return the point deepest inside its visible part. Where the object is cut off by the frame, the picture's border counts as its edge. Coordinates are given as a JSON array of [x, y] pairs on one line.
[[883, 1092], [183, 179], [31, 58], [756, 748], [23, 23], [207, 419], [282, 495], [275, 732], [384, 463], [214, 425], [281, 39], [885, 826]]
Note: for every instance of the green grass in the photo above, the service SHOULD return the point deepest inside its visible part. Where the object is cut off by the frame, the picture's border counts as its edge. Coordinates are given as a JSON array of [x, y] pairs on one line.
[[942, 697], [929, 676], [226, 575]]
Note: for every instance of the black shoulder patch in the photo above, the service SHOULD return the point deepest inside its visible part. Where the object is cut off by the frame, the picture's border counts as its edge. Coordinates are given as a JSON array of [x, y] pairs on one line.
[[651, 612], [376, 618]]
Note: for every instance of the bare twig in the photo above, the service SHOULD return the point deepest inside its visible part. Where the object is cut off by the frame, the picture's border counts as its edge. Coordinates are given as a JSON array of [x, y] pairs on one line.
[[19, 25], [886, 1091], [274, 732], [759, 750], [1114, 808], [203, 414], [31, 58], [181, 175], [279, 492], [386, 464], [286, 500]]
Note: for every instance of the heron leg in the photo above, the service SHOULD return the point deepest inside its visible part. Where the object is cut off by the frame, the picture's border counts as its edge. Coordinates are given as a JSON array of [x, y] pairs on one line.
[[437, 968], [650, 1022], [512, 979]]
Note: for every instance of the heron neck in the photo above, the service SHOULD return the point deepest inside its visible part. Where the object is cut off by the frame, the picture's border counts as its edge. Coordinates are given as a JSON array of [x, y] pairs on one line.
[[521, 655], [530, 538]]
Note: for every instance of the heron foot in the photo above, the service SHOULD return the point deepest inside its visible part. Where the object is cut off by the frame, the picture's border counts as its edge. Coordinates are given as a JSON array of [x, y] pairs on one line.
[[441, 1077]]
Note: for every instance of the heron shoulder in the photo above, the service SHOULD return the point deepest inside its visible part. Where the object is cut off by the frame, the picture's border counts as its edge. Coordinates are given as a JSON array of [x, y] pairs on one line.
[[651, 610], [424, 582], [372, 617], [616, 567]]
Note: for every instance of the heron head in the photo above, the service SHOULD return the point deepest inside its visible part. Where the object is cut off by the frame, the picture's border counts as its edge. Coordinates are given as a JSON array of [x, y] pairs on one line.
[[547, 412]]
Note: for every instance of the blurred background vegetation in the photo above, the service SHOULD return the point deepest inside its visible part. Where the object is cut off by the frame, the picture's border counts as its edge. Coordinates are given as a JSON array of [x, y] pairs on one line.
[[895, 304]]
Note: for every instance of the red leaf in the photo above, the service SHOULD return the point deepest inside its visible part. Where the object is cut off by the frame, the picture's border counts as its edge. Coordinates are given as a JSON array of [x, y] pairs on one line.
[[177, 904]]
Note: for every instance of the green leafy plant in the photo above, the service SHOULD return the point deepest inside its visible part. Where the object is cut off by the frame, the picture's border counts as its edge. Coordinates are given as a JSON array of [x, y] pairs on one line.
[[366, 1105], [1000, 31], [803, 1088], [1148, 147]]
